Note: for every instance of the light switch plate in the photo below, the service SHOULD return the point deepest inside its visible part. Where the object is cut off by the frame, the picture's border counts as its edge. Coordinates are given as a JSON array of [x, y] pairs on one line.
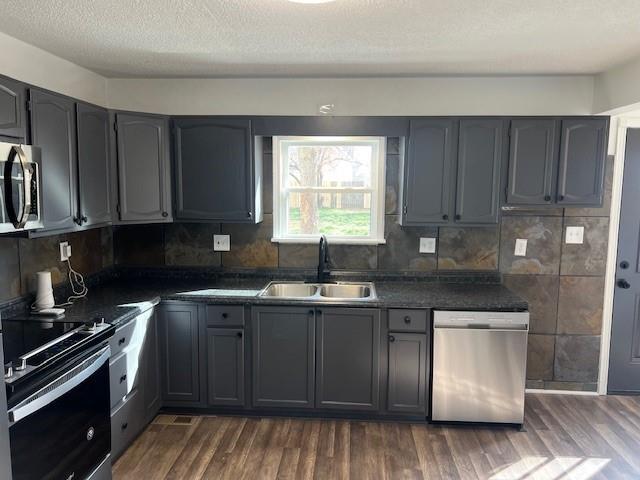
[[521, 247], [221, 243], [574, 235], [427, 245]]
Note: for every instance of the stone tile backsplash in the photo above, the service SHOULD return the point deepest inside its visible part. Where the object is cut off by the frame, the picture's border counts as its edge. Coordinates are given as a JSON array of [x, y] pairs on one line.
[[562, 283]]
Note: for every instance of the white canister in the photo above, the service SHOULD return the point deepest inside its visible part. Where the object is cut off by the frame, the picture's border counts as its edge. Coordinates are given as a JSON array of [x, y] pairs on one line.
[[44, 291]]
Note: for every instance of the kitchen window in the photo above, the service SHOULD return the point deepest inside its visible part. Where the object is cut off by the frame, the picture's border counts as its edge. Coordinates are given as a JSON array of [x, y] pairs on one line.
[[329, 185]]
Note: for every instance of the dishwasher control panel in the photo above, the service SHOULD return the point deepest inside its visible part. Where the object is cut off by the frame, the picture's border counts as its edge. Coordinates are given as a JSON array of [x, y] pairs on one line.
[[489, 320]]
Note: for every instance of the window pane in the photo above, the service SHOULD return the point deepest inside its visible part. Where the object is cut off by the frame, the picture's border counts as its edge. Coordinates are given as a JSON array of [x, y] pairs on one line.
[[329, 165], [340, 214]]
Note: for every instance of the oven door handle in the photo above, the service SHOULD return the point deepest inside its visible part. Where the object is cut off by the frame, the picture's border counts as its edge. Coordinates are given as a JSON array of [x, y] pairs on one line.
[[58, 387]]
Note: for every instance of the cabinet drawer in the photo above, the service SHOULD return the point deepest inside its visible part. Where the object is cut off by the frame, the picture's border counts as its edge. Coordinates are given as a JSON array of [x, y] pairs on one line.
[[123, 424], [118, 378], [225, 316], [122, 338], [408, 320]]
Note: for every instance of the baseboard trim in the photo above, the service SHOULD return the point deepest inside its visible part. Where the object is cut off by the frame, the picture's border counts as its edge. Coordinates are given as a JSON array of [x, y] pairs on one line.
[[560, 392]]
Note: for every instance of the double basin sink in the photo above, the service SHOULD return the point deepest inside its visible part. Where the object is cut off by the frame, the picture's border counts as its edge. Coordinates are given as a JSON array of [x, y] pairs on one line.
[[322, 292]]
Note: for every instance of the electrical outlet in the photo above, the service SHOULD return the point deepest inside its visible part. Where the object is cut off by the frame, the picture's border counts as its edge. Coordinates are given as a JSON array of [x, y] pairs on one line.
[[65, 251], [427, 245], [221, 243], [574, 235], [521, 247]]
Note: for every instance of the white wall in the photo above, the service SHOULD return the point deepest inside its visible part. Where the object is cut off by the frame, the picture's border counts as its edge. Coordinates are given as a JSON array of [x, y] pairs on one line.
[[526, 95], [35, 66], [618, 90]]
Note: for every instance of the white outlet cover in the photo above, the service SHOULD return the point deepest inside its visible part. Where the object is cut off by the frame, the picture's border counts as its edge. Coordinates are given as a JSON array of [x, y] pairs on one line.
[[221, 243], [65, 251], [574, 235], [521, 247], [427, 245]]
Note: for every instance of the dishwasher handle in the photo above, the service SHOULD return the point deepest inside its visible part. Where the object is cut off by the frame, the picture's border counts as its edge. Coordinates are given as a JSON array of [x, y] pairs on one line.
[[512, 328]]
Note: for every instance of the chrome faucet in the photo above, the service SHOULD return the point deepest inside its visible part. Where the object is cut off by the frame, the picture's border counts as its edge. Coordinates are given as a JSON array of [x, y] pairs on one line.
[[323, 260]]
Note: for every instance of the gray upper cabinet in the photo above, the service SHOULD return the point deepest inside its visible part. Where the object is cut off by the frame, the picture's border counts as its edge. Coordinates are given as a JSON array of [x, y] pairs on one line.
[[93, 165], [13, 122], [225, 366], [582, 161], [143, 168], [408, 373], [428, 171], [217, 172], [557, 161], [348, 358], [53, 128], [480, 154], [532, 166], [179, 343], [283, 357]]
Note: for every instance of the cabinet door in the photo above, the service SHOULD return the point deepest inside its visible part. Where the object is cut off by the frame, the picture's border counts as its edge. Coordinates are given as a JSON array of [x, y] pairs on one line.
[[480, 149], [407, 372], [582, 161], [533, 152], [348, 355], [143, 168], [283, 357], [53, 128], [428, 171], [93, 165], [214, 170], [179, 353], [12, 109], [225, 366], [151, 369]]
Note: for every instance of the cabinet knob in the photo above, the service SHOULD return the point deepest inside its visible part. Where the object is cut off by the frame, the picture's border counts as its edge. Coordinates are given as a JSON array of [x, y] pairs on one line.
[[225, 315], [458, 216], [249, 214], [239, 334], [165, 214], [83, 219], [121, 341], [407, 319], [622, 283], [624, 265], [123, 378], [392, 338], [77, 220], [547, 198], [445, 217], [560, 197], [124, 426], [310, 312]]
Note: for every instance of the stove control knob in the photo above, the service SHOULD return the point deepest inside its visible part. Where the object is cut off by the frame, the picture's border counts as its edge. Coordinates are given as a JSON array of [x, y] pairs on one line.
[[8, 371], [20, 365], [90, 325], [101, 321]]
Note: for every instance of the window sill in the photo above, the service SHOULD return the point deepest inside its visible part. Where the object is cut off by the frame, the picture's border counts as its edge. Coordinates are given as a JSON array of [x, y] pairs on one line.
[[332, 241]]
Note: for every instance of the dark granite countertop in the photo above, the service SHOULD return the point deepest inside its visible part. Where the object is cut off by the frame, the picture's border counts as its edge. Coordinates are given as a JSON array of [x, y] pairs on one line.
[[119, 300]]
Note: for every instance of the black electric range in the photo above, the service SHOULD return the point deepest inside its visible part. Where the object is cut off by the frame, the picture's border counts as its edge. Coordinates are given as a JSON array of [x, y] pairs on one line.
[[34, 348]]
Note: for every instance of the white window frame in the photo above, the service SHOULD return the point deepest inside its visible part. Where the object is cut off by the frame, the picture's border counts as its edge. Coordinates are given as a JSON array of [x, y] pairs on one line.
[[377, 189]]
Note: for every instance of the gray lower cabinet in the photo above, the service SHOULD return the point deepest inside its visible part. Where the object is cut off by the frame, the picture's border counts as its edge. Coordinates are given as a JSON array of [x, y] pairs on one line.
[[179, 352], [93, 165], [53, 128], [480, 154], [5, 453], [428, 171], [152, 393], [348, 358], [407, 383], [283, 357], [583, 148], [143, 168], [13, 115], [225, 366], [217, 172]]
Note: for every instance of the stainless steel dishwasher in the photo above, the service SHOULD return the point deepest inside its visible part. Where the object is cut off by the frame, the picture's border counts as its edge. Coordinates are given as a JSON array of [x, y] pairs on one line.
[[479, 366]]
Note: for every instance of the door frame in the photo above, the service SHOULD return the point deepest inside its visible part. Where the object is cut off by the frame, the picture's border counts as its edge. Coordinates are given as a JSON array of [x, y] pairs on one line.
[[621, 125]]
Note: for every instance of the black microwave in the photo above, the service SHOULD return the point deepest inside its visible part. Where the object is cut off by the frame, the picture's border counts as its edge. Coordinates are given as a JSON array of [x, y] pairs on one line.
[[20, 192]]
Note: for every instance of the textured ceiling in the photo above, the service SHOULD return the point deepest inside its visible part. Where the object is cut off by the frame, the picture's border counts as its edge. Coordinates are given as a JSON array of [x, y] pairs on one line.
[[215, 38]]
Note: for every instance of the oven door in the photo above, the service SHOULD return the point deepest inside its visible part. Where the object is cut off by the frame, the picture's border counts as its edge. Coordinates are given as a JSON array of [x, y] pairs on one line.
[[19, 188], [63, 431]]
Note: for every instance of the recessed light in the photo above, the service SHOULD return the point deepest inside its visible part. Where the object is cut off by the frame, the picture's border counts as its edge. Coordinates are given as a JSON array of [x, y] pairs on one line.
[[312, 1]]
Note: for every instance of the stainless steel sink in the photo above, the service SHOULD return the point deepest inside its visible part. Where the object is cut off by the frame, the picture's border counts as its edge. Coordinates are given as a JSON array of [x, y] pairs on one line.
[[321, 292], [289, 290], [346, 291]]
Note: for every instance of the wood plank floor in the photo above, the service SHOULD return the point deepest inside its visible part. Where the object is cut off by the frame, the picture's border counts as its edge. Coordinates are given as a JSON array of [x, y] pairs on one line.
[[567, 437]]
